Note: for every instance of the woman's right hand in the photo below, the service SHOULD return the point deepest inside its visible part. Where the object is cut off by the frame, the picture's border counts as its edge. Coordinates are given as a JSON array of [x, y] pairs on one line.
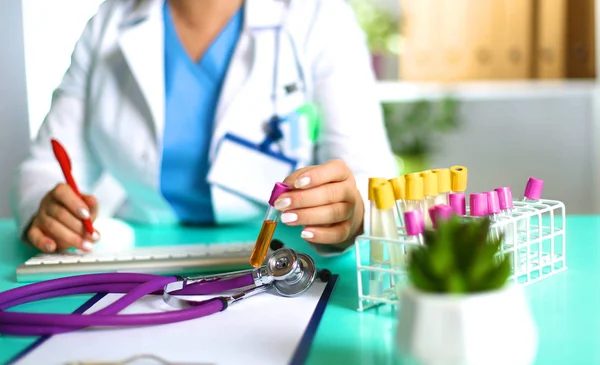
[[58, 223]]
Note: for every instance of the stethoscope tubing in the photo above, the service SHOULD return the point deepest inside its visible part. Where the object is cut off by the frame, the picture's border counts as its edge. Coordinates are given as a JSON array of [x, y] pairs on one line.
[[135, 286]]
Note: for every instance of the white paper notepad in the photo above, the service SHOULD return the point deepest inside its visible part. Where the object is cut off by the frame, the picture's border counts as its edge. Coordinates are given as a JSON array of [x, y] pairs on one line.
[[264, 329]]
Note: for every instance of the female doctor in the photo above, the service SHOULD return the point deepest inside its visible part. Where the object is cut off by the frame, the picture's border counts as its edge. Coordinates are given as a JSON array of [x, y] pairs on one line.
[[188, 111]]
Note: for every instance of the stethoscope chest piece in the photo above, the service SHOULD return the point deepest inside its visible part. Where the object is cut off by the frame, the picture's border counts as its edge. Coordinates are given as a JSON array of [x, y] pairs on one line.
[[293, 272], [282, 264]]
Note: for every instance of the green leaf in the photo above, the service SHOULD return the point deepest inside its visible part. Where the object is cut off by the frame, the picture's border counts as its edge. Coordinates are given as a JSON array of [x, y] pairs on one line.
[[456, 284], [497, 278], [420, 258], [420, 280], [459, 256]]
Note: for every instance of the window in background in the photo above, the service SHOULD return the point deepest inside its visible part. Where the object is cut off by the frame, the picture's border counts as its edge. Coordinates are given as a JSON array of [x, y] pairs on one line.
[[51, 29]]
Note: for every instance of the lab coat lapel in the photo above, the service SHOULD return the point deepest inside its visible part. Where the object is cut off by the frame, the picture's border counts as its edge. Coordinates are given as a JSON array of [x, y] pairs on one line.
[[245, 65], [142, 43]]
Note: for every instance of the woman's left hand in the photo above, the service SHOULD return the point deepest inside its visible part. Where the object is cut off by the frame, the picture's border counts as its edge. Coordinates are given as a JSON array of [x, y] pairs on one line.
[[326, 201]]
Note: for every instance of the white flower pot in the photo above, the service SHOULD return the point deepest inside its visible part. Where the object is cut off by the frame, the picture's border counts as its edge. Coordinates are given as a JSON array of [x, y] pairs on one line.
[[494, 328]]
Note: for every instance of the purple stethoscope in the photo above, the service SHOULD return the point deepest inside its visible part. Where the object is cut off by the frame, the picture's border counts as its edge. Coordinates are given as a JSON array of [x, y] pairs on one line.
[[286, 272]]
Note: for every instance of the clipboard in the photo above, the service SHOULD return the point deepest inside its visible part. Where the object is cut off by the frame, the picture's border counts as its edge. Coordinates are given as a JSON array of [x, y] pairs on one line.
[[51, 345]]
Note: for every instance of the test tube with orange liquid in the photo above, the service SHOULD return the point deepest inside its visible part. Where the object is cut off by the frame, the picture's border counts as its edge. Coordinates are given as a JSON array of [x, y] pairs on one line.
[[261, 247]]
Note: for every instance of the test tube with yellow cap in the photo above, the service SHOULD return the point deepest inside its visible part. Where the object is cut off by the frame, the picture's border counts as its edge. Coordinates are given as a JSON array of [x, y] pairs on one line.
[[384, 202], [458, 185], [430, 193], [458, 179], [398, 185], [413, 195], [444, 185]]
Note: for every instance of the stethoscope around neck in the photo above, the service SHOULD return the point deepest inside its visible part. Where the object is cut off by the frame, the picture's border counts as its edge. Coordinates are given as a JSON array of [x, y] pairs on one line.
[[287, 273]]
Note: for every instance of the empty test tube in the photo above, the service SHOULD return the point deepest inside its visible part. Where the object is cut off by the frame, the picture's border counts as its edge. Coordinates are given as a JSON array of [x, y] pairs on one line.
[[458, 179], [430, 193], [444, 185], [267, 230], [458, 203], [375, 230], [415, 225], [398, 184], [414, 192], [478, 205]]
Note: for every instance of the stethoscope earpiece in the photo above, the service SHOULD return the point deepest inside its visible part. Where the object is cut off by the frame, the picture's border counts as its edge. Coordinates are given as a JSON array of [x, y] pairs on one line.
[[324, 275]]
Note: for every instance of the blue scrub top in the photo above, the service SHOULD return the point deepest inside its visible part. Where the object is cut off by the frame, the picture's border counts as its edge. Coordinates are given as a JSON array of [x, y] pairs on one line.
[[192, 91]]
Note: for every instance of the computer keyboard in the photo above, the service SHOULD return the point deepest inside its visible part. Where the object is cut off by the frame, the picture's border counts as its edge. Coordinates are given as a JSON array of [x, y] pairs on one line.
[[177, 259]]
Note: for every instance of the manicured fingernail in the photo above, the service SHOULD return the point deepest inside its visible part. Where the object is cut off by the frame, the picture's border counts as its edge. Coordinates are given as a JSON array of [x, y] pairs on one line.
[[283, 203], [95, 236], [83, 213], [88, 246], [307, 234], [302, 182], [289, 217], [49, 247]]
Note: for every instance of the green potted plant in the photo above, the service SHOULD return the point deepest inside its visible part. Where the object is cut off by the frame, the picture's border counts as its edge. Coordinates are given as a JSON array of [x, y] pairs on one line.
[[457, 308], [414, 129]]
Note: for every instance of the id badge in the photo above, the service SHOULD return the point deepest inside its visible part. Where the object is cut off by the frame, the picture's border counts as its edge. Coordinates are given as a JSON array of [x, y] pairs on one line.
[[242, 169]]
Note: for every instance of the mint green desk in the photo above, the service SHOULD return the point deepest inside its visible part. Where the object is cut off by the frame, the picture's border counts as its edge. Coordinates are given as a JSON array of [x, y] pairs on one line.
[[566, 306]]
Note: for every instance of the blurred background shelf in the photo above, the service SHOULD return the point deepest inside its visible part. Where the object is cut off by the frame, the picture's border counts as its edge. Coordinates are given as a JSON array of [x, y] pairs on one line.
[[407, 91]]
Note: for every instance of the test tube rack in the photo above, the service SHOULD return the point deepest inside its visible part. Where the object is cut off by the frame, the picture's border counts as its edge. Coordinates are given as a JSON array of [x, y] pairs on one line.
[[534, 238]]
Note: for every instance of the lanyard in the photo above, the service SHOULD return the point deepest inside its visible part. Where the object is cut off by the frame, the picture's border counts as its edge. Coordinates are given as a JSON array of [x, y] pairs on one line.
[[273, 132]]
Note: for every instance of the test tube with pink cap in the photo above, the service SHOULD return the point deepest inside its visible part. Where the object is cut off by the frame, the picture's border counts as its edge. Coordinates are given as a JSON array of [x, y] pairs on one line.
[[441, 212], [533, 190], [493, 204], [497, 218], [532, 194], [414, 224], [505, 200], [478, 205], [458, 203]]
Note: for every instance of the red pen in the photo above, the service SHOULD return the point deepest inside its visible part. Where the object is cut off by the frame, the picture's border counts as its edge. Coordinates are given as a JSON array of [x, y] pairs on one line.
[[65, 165]]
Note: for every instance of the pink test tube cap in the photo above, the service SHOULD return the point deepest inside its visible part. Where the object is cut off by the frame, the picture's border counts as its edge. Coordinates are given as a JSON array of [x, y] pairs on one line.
[[493, 202], [458, 203], [478, 204], [505, 199], [432, 216], [413, 221], [278, 189], [534, 188], [443, 212]]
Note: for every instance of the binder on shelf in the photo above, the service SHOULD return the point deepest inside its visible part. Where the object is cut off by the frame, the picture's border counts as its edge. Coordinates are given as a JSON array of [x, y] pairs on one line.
[[580, 53], [483, 45], [550, 29], [460, 40], [419, 59], [516, 40], [454, 44], [565, 39]]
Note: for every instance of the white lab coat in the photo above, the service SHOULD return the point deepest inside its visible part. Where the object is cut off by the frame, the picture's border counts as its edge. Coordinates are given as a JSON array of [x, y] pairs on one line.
[[108, 111]]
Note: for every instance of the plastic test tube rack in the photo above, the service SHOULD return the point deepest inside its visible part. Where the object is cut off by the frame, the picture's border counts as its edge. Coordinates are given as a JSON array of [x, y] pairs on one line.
[[534, 239]]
